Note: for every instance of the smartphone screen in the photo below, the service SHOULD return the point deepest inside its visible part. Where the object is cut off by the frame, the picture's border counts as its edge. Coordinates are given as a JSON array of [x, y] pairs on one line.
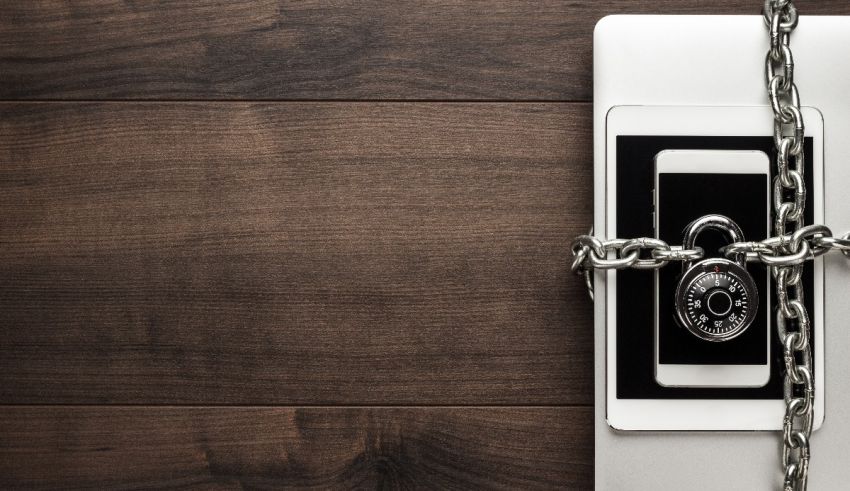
[[688, 188]]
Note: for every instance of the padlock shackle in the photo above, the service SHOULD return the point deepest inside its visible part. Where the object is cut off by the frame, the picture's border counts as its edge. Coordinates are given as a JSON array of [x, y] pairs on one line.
[[720, 223]]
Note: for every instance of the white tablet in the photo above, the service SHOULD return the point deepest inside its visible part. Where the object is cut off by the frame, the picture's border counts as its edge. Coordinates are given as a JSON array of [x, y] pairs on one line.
[[664, 164]]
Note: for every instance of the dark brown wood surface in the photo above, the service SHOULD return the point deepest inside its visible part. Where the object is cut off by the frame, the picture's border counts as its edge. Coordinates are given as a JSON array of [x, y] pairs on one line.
[[281, 49], [293, 253], [315, 448], [207, 284]]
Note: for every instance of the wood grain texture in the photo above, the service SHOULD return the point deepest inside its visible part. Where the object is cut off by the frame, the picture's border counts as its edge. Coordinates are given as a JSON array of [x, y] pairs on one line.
[[276, 49], [293, 253], [275, 448]]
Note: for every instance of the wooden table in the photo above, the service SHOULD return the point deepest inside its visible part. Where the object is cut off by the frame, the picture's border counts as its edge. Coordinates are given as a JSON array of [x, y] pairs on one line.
[[309, 244]]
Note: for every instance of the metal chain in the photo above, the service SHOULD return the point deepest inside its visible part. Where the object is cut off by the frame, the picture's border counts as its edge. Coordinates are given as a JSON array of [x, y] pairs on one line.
[[789, 251], [590, 253], [792, 319], [786, 253]]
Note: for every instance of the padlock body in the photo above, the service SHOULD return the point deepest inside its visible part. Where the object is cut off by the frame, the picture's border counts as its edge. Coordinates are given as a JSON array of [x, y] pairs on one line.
[[716, 300]]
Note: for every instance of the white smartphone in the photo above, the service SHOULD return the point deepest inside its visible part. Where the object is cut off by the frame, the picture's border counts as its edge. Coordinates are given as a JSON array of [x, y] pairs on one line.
[[688, 185]]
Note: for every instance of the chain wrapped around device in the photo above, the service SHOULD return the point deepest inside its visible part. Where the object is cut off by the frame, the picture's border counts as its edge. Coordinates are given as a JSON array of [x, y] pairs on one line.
[[781, 19], [786, 253]]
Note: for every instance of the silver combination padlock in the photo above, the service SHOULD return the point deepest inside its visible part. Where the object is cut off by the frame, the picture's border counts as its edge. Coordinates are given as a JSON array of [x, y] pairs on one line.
[[716, 299]]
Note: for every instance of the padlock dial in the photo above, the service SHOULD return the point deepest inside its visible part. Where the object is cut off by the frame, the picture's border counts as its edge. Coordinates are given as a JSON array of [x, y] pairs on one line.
[[717, 300], [717, 304]]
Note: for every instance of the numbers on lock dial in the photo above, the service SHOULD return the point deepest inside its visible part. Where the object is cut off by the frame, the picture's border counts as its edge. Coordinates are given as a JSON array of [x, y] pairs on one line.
[[717, 303]]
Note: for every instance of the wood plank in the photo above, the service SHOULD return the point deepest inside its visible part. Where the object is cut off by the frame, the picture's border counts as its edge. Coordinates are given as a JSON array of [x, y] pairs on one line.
[[293, 253], [277, 49], [301, 448]]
